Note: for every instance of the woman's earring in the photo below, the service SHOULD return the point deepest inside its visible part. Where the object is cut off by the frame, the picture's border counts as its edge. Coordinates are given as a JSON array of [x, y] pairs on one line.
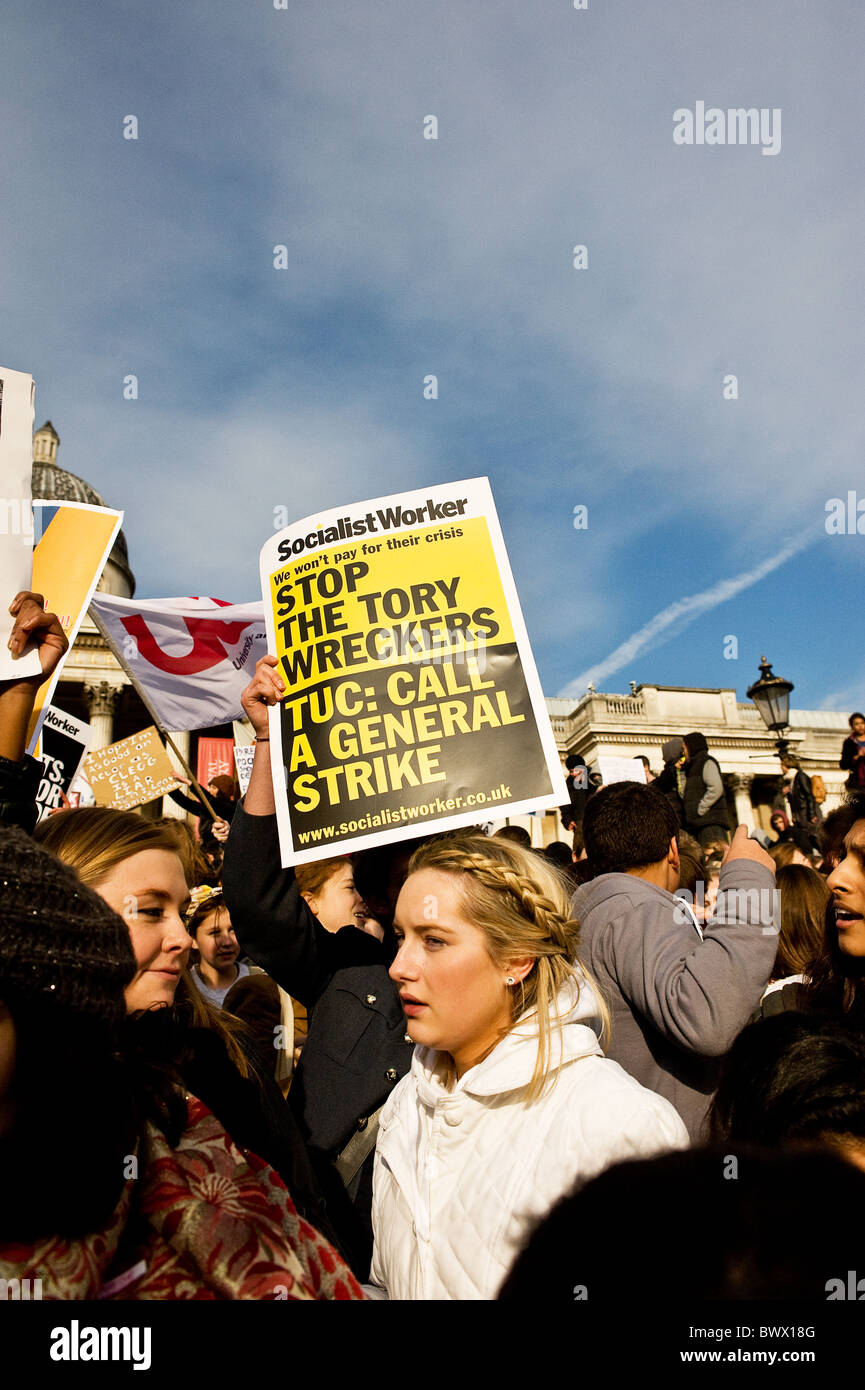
[[510, 980]]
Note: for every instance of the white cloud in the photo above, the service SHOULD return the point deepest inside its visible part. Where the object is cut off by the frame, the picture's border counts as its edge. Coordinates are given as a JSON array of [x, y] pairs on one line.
[[684, 611]]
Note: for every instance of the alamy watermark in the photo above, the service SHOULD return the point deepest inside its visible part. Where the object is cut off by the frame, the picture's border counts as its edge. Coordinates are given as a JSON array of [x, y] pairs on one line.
[[752, 905], [739, 125]]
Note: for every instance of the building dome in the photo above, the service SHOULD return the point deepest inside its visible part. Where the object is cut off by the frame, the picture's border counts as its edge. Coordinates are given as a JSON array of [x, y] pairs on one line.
[[55, 484]]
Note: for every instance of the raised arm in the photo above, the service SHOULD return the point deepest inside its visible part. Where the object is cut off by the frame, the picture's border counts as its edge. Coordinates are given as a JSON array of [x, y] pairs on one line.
[[19, 774], [272, 921], [701, 998]]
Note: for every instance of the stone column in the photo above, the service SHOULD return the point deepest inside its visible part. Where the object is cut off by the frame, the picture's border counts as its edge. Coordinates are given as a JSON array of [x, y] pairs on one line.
[[742, 791], [169, 807], [101, 702]]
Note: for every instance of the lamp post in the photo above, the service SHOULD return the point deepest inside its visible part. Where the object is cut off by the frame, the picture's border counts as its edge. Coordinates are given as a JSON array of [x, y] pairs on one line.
[[771, 695]]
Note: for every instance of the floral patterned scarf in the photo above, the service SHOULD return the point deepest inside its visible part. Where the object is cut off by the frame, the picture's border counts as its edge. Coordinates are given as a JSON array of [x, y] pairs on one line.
[[203, 1221]]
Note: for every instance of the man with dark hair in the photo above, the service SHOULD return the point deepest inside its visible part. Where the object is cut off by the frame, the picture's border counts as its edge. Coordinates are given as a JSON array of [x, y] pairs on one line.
[[677, 1001]]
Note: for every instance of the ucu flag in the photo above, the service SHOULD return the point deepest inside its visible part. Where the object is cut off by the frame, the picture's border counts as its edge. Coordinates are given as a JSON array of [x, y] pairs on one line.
[[193, 657]]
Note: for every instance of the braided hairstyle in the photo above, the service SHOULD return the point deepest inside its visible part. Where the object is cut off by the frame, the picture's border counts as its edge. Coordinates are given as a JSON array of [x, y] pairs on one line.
[[521, 903]]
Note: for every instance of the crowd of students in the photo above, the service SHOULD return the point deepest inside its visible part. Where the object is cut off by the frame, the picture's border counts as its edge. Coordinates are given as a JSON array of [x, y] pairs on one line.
[[451, 1068]]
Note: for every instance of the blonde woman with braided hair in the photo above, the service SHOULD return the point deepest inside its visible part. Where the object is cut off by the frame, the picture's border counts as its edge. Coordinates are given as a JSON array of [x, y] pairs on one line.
[[510, 1099]]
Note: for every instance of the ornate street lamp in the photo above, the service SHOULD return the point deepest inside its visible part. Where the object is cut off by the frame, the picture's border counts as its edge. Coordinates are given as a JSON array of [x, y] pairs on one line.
[[771, 695]]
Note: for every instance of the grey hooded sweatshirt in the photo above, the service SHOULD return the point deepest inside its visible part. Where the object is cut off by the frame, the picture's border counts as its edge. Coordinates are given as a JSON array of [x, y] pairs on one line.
[[677, 1002]]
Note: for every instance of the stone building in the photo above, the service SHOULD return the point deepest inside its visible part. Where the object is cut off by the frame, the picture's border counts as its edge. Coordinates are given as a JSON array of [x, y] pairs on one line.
[[626, 726]]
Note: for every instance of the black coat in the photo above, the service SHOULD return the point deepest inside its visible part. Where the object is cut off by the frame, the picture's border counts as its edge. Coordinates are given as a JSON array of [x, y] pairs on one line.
[[803, 809], [855, 766], [357, 1048], [695, 790]]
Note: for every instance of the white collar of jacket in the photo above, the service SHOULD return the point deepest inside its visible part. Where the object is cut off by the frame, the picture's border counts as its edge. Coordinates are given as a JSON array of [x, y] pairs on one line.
[[511, 1064]]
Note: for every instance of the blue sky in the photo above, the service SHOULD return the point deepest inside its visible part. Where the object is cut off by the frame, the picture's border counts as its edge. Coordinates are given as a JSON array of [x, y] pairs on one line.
[[602, 387]]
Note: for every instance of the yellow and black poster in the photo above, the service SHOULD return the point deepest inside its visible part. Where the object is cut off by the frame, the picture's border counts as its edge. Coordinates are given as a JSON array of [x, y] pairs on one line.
[[413, 703]]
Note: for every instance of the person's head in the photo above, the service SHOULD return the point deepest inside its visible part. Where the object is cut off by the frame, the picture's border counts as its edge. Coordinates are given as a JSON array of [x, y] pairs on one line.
[[857, 725], [835, 979], [210, 927], [786, 852], [847, 885], [629, 827], [766, 1226], [673, 749], [789, 761], [573, 763], [328, 889], [485, 936], [517, 834], [222, 785], [834, 829], [135, 867], [779, 822], [559, 853], [794, 1078], [804, 897], [694, 743]]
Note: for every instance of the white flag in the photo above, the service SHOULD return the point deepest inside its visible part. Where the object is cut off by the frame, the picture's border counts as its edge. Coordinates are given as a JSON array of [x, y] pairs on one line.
[[192, 657]]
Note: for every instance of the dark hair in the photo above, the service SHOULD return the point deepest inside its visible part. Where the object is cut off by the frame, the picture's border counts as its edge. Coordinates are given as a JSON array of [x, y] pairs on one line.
[[517, 834], [628, 825], [62, 1163], [856, 715], [837, 826], [225, 785], [692, 862], [734, 1250], [559, 852], [792, 1076], [835, 982]]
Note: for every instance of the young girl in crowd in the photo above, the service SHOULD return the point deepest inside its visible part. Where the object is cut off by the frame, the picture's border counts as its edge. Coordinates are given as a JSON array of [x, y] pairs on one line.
[[217, 967], [510, 1099], [113, 1184]]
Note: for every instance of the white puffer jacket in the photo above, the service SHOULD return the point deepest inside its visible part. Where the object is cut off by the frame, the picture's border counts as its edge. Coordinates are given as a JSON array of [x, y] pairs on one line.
[[461, 1175]]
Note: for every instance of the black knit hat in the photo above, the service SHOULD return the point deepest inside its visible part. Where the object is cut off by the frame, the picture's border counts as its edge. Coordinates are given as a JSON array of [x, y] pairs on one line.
[[59, 941]]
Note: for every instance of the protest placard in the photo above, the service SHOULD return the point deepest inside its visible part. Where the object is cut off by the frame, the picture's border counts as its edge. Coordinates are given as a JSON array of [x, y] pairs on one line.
[[73, 542], [243, 756], [614, 769], [16, 514], [131, 772], [63, 745], [413, 702]]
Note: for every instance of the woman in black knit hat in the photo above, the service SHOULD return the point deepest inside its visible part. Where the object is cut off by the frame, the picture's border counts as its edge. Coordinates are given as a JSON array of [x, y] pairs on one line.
[[68, 1111], [113, 1182]]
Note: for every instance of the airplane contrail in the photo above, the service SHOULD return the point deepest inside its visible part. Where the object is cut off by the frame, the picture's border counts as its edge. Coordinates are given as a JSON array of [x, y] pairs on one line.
[[684, 611]]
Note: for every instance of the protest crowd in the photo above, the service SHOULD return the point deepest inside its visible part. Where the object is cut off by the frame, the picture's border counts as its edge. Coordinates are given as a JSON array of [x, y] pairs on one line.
[[449, 1066]]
